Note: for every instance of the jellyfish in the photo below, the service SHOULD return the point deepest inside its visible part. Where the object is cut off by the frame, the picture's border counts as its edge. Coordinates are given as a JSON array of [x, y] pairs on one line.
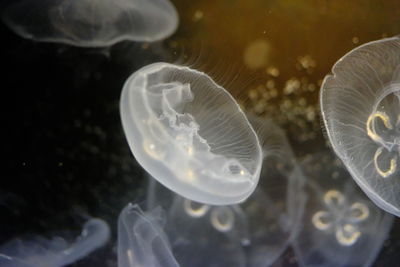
[[190, 234], [39, 251], [92, 23], [141, 238], [201, 234], [341, 226], [360, 104], [253, 233], [190, 134]]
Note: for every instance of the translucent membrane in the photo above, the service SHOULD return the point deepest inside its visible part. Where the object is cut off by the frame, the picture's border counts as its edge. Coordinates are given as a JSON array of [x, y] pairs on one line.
[[91, 23], [360, 104], [254, 233], [275, 210], [190, 134], [39, 251], [141, 239], [341, 226]]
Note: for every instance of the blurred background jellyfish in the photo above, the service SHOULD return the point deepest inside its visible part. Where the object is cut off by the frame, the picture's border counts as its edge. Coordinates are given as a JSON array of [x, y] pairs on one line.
[[360, 104], [39, 251], [341, 226], [275, 209], [190, 134], [141, 238], [92, 23]]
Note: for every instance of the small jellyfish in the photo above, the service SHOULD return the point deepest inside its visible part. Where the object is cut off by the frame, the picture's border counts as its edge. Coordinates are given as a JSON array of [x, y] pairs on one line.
[[141, 239], [39, 251], [360, 104], [190, 134], [92, 23], [341, 226]]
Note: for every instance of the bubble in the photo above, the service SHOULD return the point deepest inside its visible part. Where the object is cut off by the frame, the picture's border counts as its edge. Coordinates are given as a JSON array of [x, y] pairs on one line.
[[39, 251], [190, 134], [92, 23], [141, 239], [360, 104], [341, 226]]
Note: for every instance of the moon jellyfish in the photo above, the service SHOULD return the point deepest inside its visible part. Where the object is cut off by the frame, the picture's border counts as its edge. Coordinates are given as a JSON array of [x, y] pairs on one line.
[[341, 226], [39, 251], [203, 235], [360, 104], [141, 239], [254, 233], [190, 134], [92, 23]]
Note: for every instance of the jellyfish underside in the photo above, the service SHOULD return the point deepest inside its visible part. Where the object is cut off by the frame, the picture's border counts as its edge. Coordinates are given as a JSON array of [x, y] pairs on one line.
[[190, 134], [39, 251], [90, 23], [360, 104], [203, 235]]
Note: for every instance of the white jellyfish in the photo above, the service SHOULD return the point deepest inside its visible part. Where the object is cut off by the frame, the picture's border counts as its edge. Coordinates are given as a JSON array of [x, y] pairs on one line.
[[360, 104], [39, 251], [92, 23], [141, 239], [190, 134], [341, 226], [201, 234]]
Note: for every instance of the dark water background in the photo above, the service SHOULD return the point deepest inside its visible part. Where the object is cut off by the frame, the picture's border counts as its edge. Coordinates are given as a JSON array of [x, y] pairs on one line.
[[65, 154]]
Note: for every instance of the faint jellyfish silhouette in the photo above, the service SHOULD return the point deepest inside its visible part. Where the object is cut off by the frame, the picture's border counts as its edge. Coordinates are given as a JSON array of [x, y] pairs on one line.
[[190, 134], [141, 239], [360, 105], [39, 251], [339, 222], [92, 23], [203, 235], [274, 211], [263, 225]]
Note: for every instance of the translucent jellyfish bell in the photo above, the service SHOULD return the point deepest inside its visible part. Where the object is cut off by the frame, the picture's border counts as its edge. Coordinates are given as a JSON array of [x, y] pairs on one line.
[[141, 239], [201, 234], [360, 105], [57, 252], [190, 134], [341, 226], [92, 23]]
